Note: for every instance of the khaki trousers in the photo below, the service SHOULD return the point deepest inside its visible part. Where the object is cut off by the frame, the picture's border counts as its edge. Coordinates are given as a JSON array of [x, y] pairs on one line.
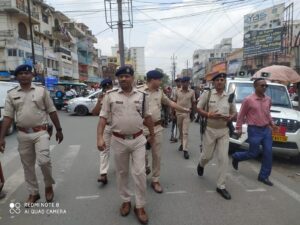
[[104, 155], [216, 140], [156, 156], [35, 147], [125, 152], [183, 122]]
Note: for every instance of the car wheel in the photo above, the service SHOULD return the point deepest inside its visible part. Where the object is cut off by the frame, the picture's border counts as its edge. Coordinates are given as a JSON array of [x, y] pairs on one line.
[[81, 110]]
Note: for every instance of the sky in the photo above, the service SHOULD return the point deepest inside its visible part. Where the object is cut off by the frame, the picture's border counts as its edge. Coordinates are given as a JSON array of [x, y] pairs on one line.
[[169, 28]]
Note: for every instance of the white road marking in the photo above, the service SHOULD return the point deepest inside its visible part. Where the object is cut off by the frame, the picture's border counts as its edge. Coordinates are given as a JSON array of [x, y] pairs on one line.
[[281, 186], [65, 163], [176, 192], [15, 180], [87, 197], [9, 155], [209, 191], [256, 190]]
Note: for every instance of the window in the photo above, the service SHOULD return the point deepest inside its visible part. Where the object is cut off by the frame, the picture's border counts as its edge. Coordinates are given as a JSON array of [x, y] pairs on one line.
[[51, 43], [64, 57], [12, 52], [22, 31], [21, 53], [45, 18], [212, 55]]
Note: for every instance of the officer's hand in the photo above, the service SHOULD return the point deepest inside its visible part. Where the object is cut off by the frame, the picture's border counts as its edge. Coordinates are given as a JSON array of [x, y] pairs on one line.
[[214, 115], [239, 133], [2, 145], [59, 137], [151, 139], [101, 144]]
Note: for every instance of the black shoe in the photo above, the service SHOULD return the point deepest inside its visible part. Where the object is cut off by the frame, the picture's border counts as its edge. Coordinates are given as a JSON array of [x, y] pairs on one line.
[[235, 163], [200, 170], [186, 155], [224, 193], [265, 181], [148, 171], [180, 148]]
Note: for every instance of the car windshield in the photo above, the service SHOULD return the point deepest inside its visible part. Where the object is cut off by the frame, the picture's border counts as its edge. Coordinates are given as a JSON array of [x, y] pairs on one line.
[[277, 93]]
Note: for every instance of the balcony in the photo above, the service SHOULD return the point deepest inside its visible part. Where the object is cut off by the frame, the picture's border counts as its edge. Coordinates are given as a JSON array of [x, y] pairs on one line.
[[61, 33], [62, 50], [6, 33], [84, 46]]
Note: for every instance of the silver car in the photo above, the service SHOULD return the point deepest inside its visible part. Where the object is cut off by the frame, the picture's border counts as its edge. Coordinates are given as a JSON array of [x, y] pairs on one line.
[[82, 106]]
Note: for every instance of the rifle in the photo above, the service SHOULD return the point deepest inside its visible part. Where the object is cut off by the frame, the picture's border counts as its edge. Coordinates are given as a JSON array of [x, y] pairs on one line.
[[203, 122]]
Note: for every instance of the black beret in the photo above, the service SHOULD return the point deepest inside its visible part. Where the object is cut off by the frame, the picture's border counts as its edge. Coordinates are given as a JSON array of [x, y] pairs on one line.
[[125, 70], [106, 82], [154, 74], [219, 75], [23, 67], [185, 79]]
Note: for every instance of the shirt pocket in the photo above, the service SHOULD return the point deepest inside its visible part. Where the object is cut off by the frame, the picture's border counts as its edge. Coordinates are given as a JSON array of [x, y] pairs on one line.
[[117, 108], [39, 102], [18, 102]]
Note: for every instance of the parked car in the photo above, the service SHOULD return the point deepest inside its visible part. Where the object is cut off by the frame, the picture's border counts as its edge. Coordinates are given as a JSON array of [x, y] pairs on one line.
[[4, 87], [82, 106], [282, 113]]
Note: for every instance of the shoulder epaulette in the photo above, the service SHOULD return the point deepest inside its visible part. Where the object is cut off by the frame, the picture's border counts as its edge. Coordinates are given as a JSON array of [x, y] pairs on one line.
[[12, 89], [113, 90]]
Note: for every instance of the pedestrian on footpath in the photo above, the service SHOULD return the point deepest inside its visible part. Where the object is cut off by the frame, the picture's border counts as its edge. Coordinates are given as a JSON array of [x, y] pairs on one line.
[[29, 105], [174, 127], [255, 111], [215, 107], [129, 110], [106, 85], [184, 97], [157, 99]]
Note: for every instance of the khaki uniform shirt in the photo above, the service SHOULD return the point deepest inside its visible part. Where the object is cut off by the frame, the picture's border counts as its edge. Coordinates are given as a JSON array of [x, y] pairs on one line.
[[29, 108], [126, 111], [217, 104], [156, 99], [185, 99]]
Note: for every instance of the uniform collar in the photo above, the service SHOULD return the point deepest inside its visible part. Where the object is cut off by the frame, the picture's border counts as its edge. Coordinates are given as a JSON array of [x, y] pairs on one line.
[[146, 88], [20, 88], [188, 90], [134, 90], [214, 91]]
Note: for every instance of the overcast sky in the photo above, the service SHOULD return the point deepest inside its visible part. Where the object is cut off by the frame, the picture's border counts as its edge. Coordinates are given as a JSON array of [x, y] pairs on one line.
[[167, 27]]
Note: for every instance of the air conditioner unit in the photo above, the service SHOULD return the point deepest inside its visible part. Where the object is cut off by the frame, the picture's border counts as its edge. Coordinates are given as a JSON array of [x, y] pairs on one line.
[[47, 32], [36, 27]]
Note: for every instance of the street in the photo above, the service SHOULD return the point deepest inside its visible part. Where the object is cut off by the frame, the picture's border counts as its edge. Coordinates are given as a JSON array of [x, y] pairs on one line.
[[187, 199]]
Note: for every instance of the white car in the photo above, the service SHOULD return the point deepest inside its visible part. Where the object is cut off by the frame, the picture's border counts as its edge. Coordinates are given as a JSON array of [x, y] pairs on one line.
[[82, 106], [282, 113], [4, 87]]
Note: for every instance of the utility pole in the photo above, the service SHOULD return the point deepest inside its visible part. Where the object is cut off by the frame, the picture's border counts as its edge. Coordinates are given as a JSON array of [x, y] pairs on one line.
[[124, 20], [187, 68], [31, 35], [120, 33], [173, 58]]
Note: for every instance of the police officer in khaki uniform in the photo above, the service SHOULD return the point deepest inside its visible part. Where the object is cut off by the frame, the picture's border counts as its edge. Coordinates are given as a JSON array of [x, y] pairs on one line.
[[129, 110], [185, 97], [106, 85], [30, 105], [156, 99], [174, 128], [216, 135]]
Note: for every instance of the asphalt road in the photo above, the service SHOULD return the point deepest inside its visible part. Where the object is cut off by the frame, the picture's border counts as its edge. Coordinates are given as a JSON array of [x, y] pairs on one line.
[[187, 198]]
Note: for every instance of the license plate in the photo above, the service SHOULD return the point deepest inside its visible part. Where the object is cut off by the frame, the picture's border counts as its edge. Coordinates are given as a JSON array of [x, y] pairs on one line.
[[279, 138]]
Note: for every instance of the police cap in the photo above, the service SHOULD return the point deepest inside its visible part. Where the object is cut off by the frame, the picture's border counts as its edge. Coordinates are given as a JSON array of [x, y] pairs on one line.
[[154, 74], [125, 70], [23, 67], [219, 75]]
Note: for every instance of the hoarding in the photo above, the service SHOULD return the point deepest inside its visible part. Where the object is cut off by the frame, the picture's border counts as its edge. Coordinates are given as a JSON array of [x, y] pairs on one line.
[[262, 41]]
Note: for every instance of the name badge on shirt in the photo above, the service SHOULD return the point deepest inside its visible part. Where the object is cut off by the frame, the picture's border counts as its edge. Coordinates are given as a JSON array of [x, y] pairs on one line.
[[119, 102], [16, 98]]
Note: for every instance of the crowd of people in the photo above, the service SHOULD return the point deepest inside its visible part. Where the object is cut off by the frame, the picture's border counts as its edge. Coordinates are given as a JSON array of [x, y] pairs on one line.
[[131, 121]]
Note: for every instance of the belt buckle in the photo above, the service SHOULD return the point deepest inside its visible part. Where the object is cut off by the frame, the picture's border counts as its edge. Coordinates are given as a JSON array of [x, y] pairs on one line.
[[129, 137], [30, 130]]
